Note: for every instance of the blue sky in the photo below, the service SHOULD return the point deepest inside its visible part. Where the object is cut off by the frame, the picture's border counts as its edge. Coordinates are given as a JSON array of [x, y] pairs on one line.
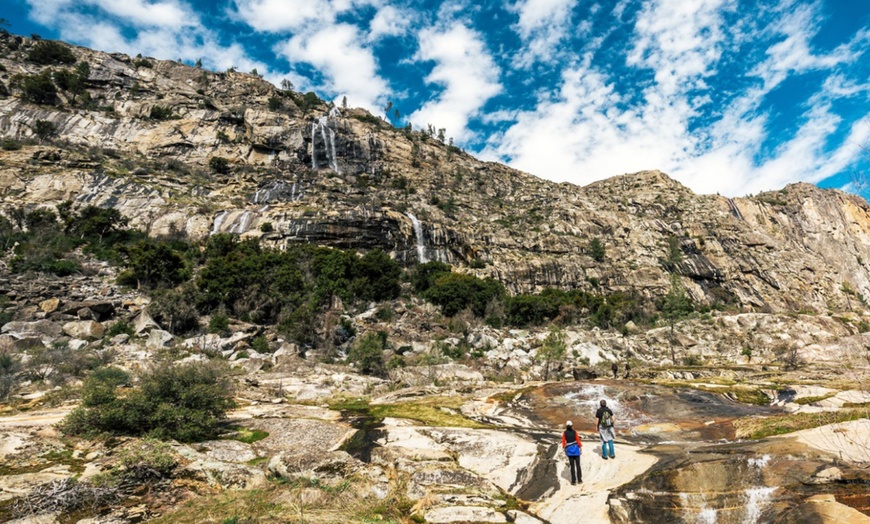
[[728, 96]]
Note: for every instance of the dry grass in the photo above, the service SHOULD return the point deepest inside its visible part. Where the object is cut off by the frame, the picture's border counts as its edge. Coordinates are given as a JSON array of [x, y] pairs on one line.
[[433, 411], [299, 501]]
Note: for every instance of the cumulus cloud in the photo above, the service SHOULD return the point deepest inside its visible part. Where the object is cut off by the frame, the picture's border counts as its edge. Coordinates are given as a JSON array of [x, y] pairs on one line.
[[466, 72], [101, 24], [542, 25], [594, 126], [287, 15], [349, 67]]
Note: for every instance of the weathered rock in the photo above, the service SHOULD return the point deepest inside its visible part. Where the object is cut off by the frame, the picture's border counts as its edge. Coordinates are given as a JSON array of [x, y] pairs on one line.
[[49, 305], [158, 338], [464, 514], [84, 329], [46, 330], [143, 322]]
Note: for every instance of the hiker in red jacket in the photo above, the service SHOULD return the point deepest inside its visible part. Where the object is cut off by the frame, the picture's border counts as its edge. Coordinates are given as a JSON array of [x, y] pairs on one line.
[[572, 446]]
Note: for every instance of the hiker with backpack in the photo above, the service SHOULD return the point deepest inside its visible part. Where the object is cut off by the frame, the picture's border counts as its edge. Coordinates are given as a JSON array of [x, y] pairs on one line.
[[572, 446], [605, 430]]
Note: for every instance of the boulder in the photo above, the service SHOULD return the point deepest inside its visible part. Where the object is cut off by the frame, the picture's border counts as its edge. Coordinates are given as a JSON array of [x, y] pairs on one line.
[[45, 330], [49, 305], [143, 322], [84, 329], [159, 339]]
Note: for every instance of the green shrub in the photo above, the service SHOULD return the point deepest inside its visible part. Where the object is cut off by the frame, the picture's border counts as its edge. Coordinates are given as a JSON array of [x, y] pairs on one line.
[[424, 275], [10, 365], [10, 144], [39, 89], [596, 249], [368, 353], [182, 402], [45, 129], [454, 292], [275, 103], [120, 327], [161, 113], [147, 460], [175, 309], [49, 52], [260, 345], [152, 264], [219, 165], [219, 322]]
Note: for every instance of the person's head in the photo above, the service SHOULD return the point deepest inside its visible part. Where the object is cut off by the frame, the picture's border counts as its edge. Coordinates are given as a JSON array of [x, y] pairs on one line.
[[603, 403], [569, 425]]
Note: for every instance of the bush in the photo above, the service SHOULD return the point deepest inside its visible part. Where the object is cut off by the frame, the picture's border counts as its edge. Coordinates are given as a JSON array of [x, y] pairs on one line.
[[120, 327], [219, 165], [9, 368], [182, 402], [368, 353], [38, 89], [596, 249], [175, 309], [147, 460], [45, 129], [161, 113], [425, 275], [10, 144], [275, 103], [48, 52], [152, 264], [454, 292]]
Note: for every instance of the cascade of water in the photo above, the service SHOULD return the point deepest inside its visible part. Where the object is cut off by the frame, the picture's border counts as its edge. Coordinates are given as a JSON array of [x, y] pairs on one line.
[[418, 232], [734, 209], [218, 221], [327, 137], [756, 499], [243, 223]]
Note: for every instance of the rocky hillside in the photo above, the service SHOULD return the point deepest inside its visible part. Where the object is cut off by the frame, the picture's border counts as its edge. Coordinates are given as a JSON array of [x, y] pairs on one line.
[[177, 148]]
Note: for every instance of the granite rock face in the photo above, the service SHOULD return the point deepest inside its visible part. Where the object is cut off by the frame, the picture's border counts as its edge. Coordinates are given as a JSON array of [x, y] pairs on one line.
[[344, 178]]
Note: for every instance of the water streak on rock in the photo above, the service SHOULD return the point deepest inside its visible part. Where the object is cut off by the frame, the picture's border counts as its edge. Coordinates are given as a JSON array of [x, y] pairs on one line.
[[421, 243]]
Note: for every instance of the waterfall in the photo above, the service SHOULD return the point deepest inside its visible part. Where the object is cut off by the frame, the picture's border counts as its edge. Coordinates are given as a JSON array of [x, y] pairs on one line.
[[327, 137], [243, 223], [734, 210], [756, 499], [418, 232], [218, 221]]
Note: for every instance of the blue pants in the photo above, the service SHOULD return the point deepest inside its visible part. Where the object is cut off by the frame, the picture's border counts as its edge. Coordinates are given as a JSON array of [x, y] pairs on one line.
[[604, 446]]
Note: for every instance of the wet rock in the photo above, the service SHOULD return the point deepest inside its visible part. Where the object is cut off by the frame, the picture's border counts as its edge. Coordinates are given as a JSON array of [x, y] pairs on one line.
[[84, 329]]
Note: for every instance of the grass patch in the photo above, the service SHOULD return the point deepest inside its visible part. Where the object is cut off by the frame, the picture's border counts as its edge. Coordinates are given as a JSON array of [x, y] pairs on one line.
[[761, 427], [248, 436], [804, 401], [437, 411], [510, 395]]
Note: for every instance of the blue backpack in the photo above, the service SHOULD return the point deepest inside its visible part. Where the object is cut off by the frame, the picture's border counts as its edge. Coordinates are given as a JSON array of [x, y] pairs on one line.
[[572, 450]]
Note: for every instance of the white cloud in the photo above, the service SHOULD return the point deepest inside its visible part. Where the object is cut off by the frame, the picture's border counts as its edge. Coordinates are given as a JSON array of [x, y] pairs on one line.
[[389, 21], [349, 68], [158, 36], [287, 15], [591, 128], [467, 72], [542, 25]]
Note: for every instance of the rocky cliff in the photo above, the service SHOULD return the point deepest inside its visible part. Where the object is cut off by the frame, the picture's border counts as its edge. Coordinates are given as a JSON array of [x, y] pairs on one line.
[[144, 134]]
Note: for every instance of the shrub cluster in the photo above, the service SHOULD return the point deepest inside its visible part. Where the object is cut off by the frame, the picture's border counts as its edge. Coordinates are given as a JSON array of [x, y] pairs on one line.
[[454, 292], [182, 402]]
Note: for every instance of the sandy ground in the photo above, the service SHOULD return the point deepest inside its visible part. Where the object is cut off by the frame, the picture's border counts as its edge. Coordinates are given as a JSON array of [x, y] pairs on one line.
[[587, 502], [849, 441]]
